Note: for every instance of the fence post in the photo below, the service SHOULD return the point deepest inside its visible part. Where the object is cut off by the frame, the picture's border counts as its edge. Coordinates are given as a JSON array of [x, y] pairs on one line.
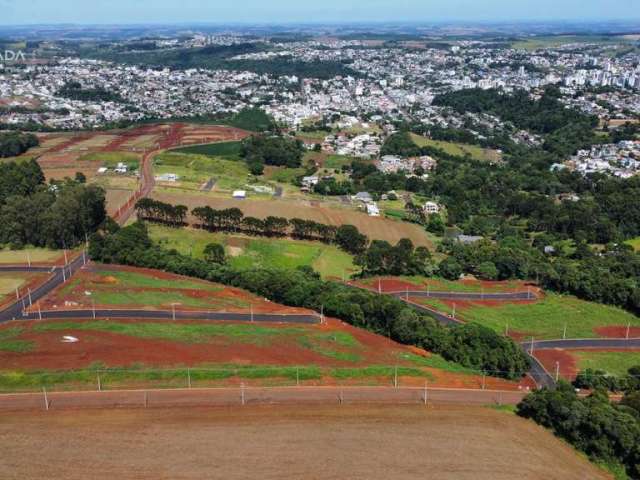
[[426, 392], [395, 377], [46, 399], [242, 393]]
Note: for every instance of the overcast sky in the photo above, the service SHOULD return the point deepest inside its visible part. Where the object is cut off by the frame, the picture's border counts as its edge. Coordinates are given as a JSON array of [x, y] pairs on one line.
[[285, 11]]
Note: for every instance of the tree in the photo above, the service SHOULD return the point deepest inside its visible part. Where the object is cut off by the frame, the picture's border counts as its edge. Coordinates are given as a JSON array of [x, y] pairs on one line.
[[450, 269], [349, 238], [214, 253], [487, 271]]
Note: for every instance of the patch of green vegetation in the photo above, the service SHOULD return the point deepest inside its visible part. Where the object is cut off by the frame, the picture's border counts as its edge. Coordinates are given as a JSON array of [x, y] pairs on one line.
[[283, 175], [614, 363], [547, 317], [229, 150], [135, 279], [111, 159], [249, 252], [635, 243], [458, 149], [178, 332], [336, 162], [552, 41], [510, 409], [379, 371], [9, 343], [436, 361], [325, 343], [29, 253]]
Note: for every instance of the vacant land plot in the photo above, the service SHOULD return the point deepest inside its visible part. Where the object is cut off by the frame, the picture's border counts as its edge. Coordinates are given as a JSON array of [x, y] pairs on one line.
[[35, 255], [417, 283], [131, 287], [462, 443], [222, 149], [373, 227], [544, 318], [12, 281], [251, 252], [614, 363], [459, 149]]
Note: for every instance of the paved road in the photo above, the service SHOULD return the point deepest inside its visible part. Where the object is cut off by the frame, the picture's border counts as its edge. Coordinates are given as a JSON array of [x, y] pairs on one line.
[[465, 295], [169, 315], [255, 396], [27, 269], [631, 343], [58, 275]]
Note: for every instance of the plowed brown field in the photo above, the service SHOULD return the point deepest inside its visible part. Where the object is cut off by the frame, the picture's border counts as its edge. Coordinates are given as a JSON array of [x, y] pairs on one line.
[[277, 442]]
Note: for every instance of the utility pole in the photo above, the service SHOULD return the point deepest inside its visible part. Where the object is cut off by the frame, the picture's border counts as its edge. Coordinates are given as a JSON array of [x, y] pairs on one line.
[[252, 313], [28, 258], [39, 312], [453, 315], [557, 371], [564, 332], [66, 261], [93, 308], [406, 295], [17, 294], [426, 392], [531, 351], [29, 291], [322, 314], [189, 377], [242, 393], [173, 311], [628, 330], [379, 286], [46, 400], [395, 377], [64, 275]]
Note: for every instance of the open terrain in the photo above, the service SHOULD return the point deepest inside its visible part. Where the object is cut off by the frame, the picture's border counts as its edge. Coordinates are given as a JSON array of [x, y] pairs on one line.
[[354, 442], [33, 255], [544, 318], [459, 149], [121, 287], [569, 362], [418, 283], [253, 252], [374, 227]]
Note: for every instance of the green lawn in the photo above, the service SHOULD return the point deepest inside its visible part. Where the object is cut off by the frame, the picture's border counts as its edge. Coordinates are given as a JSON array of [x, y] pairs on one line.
[[336, 162], [35, 254], [251, 252], [614, 363], [546, 318], [458, 149]]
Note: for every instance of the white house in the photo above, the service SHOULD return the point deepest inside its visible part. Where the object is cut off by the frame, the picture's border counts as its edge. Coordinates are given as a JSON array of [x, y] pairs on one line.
[[431, 207], [240, 194], [373, 210]]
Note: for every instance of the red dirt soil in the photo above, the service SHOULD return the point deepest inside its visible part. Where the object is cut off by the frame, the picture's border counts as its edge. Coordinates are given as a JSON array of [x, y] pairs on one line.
[[90, 279], [391, 284], [617, 331], [567, 362]]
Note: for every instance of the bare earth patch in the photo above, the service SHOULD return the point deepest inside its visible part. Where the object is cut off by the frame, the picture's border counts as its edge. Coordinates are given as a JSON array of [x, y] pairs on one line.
[[269, 442]]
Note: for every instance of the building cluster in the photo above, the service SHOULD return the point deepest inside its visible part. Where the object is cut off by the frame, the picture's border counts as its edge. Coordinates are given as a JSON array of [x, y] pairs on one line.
[[621, 159]]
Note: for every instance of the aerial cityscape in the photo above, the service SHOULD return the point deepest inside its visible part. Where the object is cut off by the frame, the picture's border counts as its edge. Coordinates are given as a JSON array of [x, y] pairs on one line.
[[267, 238]]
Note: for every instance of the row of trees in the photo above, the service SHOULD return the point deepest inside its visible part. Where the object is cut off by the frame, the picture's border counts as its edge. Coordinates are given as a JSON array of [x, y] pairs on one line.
[[13, 144], [606, 432], [381, 258], [470, 345], [599, 380], [160, 212]]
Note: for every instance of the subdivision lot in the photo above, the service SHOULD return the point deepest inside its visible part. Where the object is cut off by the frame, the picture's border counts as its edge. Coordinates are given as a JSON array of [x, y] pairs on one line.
[[567, 363], [374, 227], [122, 287], [544, 318], [418, 283], [26, 255], [312, 442], [255, 252]]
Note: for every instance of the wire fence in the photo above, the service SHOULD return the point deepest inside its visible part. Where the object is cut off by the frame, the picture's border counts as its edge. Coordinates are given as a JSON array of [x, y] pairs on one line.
[[103, 379]]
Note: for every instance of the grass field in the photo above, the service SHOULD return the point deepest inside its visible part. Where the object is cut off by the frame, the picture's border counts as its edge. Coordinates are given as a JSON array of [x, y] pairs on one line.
[[635, 243], [542, 319], [251, 252], [37, 255], [222, 149], [552, 41], [459, 149], [614, 363], [10, 343], [111, 159], [336, 162]]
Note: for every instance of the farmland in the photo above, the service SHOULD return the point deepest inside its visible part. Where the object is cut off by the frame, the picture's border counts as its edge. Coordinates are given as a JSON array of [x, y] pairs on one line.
[[197, 441], [542, 319], [459, 149], [374, 227], [248, 252]]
